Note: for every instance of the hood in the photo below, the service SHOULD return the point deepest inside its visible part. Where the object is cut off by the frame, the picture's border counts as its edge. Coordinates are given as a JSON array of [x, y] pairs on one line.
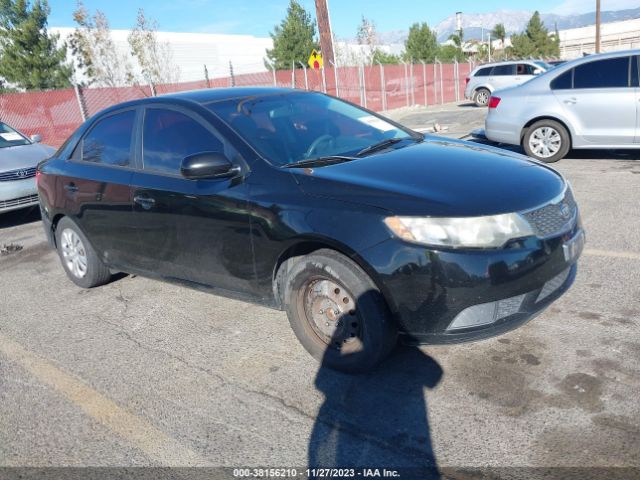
[[24, 156], [437, 178]]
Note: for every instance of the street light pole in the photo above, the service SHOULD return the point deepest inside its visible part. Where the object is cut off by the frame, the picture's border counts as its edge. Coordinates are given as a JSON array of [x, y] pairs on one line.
[[597, 26]]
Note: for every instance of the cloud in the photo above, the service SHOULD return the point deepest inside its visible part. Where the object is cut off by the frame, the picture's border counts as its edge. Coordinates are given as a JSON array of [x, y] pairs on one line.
[[569, 7]]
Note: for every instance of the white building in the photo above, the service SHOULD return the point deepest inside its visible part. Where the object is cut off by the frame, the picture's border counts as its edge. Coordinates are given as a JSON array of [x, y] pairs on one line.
[[622, 35], [191, 51]]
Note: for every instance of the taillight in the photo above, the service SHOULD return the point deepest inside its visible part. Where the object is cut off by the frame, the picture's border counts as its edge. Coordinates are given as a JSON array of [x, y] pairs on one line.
[[466, 81], [494, 102], [38, 176]]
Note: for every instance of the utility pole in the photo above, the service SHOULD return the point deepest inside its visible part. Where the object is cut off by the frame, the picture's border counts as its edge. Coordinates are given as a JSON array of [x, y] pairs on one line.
[[324, 27], [597, 26]]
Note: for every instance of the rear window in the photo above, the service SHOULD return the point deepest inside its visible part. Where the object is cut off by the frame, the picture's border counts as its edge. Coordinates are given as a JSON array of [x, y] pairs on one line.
[[635, 81], [109, 141], [608, 73], [483, 72], [563, 82]]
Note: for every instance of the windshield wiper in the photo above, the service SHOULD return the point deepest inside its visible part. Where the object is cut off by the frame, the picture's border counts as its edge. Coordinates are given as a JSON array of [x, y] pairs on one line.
[[379, 146], [320, 161]]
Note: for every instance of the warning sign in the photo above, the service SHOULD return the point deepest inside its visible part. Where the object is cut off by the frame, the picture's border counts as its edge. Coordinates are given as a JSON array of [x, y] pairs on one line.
[[315, 60]]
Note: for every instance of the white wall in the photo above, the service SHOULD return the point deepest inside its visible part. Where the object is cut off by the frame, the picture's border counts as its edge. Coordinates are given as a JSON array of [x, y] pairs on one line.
[[622, 35], [191, 51]]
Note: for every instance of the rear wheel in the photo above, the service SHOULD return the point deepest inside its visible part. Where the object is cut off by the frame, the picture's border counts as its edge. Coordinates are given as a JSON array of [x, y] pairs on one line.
[[547, 141], [79, 259], [481, 97], [337, 313]]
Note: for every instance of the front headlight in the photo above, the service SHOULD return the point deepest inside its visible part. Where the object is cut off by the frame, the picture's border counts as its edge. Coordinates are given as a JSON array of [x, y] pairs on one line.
[[475, 232]]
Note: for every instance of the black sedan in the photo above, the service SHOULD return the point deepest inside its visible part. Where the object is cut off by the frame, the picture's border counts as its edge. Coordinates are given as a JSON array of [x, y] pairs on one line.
[[358, 227]]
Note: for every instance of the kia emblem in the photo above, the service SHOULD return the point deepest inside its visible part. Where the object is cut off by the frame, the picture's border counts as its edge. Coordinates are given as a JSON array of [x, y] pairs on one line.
[[22, 173]]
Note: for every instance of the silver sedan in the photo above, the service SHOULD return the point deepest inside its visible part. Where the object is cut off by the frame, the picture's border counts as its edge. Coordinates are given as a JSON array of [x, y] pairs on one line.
[[587, 103], [19, 157]]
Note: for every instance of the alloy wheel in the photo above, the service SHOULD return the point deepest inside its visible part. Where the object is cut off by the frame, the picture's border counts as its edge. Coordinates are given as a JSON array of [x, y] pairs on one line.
[[74, 253]]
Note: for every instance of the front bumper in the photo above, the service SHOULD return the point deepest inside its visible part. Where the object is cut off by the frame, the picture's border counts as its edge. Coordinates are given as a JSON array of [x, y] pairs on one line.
[[453, 296], [18, 194]]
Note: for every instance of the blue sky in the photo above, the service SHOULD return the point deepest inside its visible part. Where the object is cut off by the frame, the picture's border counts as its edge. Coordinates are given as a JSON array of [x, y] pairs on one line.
[[257, 17]]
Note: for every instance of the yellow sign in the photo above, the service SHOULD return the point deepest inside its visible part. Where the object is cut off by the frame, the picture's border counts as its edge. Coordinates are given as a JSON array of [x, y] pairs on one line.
[[315, 60]]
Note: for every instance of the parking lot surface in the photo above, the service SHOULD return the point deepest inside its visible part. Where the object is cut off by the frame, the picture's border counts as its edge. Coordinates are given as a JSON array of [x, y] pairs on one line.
[[140, 372]]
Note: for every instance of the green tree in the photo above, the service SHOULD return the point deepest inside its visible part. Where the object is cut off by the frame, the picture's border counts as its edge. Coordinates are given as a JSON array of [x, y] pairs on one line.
[[457, 38], [535, 41], [449, 53], [293, 39], [380, 56], [421, 44], [499, 33], [29, 57]]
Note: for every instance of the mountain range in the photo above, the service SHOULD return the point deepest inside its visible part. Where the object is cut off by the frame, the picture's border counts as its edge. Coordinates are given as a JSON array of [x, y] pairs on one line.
[[515, 21]]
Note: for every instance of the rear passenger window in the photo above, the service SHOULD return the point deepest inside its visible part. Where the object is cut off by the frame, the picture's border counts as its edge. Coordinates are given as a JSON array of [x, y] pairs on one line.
[[170, 136], [109, 141], [483, 72], [501, 70], [608, 73], [563, 82]]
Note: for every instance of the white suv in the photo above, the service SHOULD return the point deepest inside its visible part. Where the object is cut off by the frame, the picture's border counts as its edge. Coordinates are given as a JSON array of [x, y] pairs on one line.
[[483, 80]]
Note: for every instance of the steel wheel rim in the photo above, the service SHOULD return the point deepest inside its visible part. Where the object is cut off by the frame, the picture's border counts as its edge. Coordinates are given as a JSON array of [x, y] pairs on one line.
[[483, 97], [74, 253], [331, 312], [545, 142]]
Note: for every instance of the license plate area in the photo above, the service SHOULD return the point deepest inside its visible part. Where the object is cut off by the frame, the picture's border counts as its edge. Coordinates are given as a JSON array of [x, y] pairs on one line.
[[572, 248]]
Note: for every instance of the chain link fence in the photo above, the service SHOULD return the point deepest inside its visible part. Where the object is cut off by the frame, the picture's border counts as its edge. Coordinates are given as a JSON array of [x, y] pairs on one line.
[[56, 114]]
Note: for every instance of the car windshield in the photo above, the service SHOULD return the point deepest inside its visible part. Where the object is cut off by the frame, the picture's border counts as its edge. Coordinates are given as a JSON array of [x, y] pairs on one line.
[[292, 127], [10, 138], [544, 65]]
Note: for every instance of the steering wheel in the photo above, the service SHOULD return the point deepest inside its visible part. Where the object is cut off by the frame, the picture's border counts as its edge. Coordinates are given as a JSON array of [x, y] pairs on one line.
[[316, 143]]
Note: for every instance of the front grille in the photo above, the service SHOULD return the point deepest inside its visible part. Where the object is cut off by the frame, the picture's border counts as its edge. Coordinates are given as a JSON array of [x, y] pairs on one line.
[[20, 174], [550, 220], [18, 201]]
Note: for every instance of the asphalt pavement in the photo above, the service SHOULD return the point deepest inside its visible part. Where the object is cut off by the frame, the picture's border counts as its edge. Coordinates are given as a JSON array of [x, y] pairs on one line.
[[143, 373]]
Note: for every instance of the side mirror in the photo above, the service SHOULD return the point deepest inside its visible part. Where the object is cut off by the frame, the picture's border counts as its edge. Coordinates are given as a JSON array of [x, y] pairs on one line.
[[208, 165], [36, 138], [537, 71]]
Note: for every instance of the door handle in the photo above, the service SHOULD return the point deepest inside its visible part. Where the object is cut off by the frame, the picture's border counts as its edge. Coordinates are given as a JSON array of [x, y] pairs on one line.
[[144, 201], [571, 101], [71, 188]]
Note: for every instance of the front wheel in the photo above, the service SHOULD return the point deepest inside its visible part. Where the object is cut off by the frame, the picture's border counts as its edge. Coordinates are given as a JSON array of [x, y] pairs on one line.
[[547, 141], [337, 312]]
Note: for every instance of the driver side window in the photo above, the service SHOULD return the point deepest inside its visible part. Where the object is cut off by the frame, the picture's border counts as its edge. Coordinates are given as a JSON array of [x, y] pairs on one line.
[[169, 136]]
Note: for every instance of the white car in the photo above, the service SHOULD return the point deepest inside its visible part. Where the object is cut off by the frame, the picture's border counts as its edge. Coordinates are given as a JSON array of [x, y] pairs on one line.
[[483, 80], [587, 103], [19, 156]]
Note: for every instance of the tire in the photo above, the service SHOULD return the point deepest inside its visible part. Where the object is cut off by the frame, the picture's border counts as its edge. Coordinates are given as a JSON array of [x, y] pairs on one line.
[[481, 97], [552, 131], [349, 336], [79, 259]]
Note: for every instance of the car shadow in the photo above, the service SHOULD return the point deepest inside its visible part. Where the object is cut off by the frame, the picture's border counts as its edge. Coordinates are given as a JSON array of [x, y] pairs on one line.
[[16, 218], [594, 154], [377, 419]]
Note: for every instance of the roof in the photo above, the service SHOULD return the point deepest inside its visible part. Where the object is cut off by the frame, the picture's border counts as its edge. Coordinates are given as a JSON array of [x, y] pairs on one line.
[[217, 94]]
